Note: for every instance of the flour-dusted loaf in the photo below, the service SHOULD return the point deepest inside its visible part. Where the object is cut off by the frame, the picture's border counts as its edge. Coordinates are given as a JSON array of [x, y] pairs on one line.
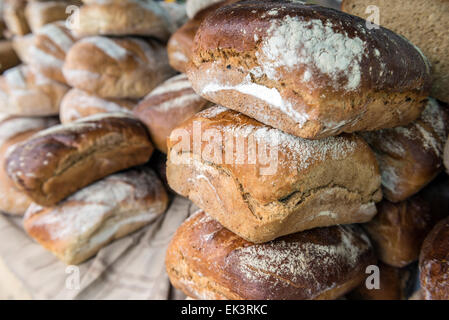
[[26, 92], [122, 17], [207, 261], [58, 161], [8, 57], [14, 17], [117, 67], [434, 263], [308, 70], [78, 104], [423, 23], [288, 185], [398, 230], [78, 227], [167, 106], [22, 45], [411, 156], [14, 131], [40, 13], [50, 46]]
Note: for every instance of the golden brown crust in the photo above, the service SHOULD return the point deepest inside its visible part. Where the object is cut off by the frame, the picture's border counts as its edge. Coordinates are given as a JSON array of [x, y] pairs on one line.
[[76, 228], [116, 67], [207, 261], [294, 185], [308, 70], [61, 160], [14, 16], [434, 263], [167, 106], [410, 157], [40, 13]]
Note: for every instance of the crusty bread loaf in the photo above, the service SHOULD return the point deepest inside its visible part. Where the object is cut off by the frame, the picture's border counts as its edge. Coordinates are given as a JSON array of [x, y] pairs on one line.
[[195, 6], [167, 106], [434, 263], [290, 185], [398, 229], [8, 57], [425, 23], [123, 17], [26, 92], [308, 70], [410, 157], [116, 67], [58, 161], [22, 45], [78, 227], [50, 46], [207, 261], [12, 132], [14, 17], [40, 13], [78, 104]]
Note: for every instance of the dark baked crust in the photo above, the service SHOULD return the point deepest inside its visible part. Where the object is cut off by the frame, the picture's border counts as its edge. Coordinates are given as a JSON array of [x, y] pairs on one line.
[[382, 85], [434, 263], [58, 161], [207, 261]]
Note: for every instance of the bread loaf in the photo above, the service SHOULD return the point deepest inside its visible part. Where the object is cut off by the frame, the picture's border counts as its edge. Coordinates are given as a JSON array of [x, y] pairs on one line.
[[22, 45], [40, 13], [116, 67], [78, 104], [434, 263], [423, 23], [122, 17], [14, 17], [12, 132], [288, 185], [26, 92], [58, 161], [8, 57], [410, 157], [398, 229], [78, 227], [207, 261], [50, 46], [167, 106], [308, 70]]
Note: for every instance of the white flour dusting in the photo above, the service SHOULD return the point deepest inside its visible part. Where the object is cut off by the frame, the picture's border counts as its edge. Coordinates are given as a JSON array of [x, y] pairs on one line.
[[108, 46]]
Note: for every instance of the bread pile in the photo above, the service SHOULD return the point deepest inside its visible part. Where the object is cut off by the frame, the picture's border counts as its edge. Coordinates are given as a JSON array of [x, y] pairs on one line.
[[87, 181], [349, 136]]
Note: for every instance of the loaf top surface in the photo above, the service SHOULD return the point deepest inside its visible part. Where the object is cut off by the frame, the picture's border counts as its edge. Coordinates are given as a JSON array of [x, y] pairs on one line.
[[298, 266], [293, 158], [326, 50]]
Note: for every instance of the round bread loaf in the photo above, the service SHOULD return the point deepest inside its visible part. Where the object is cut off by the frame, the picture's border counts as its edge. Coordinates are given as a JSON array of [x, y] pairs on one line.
[[434, 263], [78, 104], [78, 227], [167, 106], [122, 17], [26, 92], [116, 67], [12, 132], [308, 70], [207, 261]]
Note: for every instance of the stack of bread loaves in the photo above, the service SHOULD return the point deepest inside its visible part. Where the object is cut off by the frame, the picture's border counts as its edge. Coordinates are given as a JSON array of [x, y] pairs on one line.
[[87, 181], [277, 168]]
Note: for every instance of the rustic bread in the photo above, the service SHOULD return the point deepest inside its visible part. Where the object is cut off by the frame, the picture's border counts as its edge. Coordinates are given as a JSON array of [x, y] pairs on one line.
[[434, 263], [423, 23], [78, 227], [116, 67], [26, 92], [58, 161], [40, 13], [123, 17], [207, 261], [22, 45], [410, 157], [12, 132], [14, 17], [50, 46], [8, 57], [167, 106], [78, 104], [398, 229], [308, 70], [290, 185]]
